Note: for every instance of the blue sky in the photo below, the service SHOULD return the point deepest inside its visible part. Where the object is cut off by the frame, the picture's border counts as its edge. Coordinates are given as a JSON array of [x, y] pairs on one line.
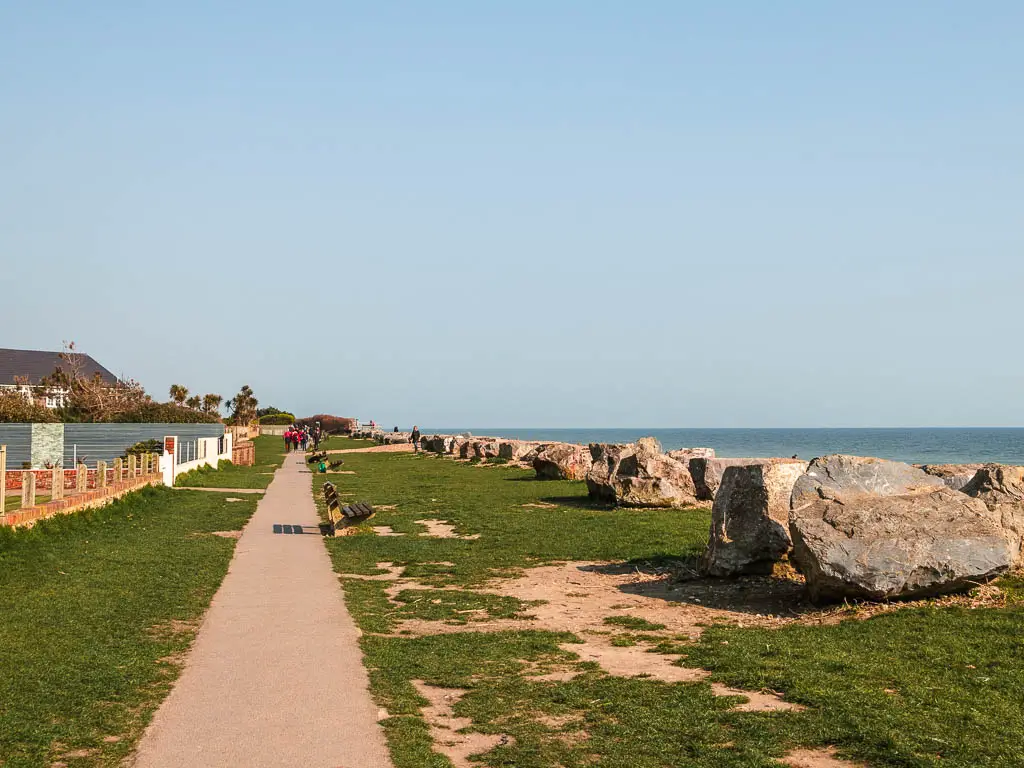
[[658, 214]]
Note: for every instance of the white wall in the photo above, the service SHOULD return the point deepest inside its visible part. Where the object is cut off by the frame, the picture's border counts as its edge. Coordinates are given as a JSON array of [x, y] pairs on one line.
[[206, 456]]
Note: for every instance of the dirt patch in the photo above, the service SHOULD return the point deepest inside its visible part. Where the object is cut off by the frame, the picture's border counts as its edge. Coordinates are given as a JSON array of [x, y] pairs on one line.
[[233, 498], [540, 505], [171, 628], [385, 530], [442, 529], [395, 448], [385, 507], [816, 758], [342, 472], [445, 726], [228, 534]]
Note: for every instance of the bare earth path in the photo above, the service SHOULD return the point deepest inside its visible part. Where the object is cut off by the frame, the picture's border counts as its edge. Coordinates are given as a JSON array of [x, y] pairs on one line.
[[275, 677]]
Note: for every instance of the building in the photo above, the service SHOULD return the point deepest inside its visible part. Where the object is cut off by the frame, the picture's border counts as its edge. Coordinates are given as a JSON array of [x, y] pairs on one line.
[[24, 370]]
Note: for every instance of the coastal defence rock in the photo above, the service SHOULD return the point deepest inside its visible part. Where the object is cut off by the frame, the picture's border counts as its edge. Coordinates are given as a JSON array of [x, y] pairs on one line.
[[685, 454], [485, 449], [1001, 489], [866, 528], [706, 472], [955, 476], [750, 518], [562, 461], [517, 450], [639, 475]]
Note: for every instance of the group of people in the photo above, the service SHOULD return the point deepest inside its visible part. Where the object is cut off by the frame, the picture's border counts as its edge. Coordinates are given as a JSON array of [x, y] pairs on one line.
[[296, 438]]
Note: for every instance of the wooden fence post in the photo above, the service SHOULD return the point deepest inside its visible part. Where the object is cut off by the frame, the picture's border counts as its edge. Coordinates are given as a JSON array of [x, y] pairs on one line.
[[28, 488], [118, 470], [132, 465], [3, 478], [82, 479], [57, 483], [101, 474]]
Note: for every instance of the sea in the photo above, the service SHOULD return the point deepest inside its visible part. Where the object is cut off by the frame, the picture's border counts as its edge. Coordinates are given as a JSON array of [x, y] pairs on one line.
[[920, 445]]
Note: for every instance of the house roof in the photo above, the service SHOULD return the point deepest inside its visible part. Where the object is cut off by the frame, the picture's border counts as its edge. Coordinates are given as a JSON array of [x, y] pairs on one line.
[[34, 364]]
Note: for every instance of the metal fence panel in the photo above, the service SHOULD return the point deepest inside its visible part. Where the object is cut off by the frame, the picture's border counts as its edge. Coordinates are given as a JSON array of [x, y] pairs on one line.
[[105, 442], [18, 439]]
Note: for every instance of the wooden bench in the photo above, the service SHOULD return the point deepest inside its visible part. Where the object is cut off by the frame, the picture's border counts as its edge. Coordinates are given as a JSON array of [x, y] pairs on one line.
[[314, 458], [342, 519]]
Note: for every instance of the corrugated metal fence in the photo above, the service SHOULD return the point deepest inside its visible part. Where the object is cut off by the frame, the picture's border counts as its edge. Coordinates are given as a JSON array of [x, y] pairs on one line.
[[102, 442]]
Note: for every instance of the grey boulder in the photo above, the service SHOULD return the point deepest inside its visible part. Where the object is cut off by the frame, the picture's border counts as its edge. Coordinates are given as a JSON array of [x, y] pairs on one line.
[[750, 519], [1001, 489], [562, 461], [867, 528], [639, 475]]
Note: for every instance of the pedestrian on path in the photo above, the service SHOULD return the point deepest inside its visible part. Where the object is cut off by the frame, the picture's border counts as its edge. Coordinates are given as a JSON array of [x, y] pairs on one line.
[[415, 439]]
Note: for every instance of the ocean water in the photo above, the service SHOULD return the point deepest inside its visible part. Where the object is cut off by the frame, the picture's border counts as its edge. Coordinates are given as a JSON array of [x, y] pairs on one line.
[[918, 446]]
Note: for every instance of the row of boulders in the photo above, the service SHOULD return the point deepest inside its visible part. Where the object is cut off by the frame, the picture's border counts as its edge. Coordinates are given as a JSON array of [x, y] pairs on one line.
[[867, 528]]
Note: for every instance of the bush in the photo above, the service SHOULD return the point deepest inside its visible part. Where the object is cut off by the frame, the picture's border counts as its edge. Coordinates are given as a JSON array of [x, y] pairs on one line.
[[165, 413], [145, 446], [332, 425], [15, 409], [278, 419]]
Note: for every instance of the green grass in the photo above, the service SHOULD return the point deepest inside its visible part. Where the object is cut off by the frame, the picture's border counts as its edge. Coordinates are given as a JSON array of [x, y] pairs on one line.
[[269, 456], [12, 501], [93, 608], [917, 688], [633, 622], [339, 443]]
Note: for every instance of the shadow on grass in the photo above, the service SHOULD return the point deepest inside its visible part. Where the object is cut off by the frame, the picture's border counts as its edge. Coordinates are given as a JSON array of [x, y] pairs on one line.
[[680, 582]]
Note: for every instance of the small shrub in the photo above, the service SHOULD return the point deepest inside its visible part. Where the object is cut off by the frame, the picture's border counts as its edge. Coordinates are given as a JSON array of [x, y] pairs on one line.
[[277, 419]]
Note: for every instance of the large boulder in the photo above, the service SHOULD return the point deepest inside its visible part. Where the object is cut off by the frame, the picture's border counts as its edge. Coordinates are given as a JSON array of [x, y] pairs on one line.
[[707, 471], [685, 454], [750, 518], [562, 461], [866, 528], [955, 476], [515, 450], [639, 475], [485, 449], [1001, 489]]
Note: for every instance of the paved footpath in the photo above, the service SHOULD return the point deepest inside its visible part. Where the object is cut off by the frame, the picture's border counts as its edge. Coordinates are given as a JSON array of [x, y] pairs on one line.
[[275, 677]]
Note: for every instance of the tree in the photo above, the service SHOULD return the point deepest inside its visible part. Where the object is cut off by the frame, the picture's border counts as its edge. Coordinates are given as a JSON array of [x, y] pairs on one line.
[[211, 403], [268, 411], [195, 403], [90, 398], [179, 393], [243, 406]]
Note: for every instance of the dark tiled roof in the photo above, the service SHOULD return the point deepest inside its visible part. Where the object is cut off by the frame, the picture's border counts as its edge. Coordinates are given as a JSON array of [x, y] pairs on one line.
[[35, 364]]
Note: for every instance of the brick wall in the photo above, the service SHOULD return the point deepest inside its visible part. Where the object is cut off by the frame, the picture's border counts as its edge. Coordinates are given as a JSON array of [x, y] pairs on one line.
[[243, 454], [44, 477], [89, 500]]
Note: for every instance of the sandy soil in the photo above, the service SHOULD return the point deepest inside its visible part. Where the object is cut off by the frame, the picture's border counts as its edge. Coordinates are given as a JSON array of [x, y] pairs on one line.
[[816, 758], [445, 727], [442, 529]]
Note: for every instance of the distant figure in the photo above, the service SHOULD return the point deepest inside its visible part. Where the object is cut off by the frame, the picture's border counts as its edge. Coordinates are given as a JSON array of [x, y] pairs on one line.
[[415, 439], [795, 456], [287, 440], [396, 429]]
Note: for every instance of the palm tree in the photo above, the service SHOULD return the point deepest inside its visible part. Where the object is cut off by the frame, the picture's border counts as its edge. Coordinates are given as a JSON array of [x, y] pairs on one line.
[[211, 403], [243, 406], [195, 402], [179, 393]]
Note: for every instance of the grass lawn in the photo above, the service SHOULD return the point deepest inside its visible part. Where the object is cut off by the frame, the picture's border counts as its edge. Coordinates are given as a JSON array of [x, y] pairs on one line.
[[98, 609], [923, 686], [340, 442], [12, 501], [269, 456]]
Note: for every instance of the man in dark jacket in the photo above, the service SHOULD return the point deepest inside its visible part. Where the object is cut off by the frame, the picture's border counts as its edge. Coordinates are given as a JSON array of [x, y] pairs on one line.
[[416, 439]]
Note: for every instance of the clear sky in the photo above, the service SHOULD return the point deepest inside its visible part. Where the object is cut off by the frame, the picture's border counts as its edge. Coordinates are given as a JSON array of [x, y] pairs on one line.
[[657, 214]]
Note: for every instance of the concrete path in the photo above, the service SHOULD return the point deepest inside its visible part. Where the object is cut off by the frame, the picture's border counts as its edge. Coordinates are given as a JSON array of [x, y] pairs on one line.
[[275, 677]]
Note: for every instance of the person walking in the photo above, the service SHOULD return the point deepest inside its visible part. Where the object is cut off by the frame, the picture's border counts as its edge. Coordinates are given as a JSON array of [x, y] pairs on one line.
[[415, 439], [287, 440]]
